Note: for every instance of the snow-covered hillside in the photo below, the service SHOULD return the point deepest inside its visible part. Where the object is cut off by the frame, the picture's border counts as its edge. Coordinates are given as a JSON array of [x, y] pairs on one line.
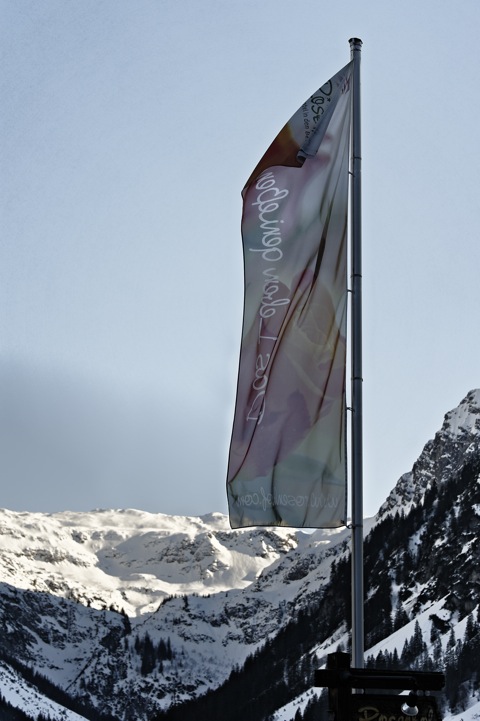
[[21, 694], [132, 559], [82, 591]]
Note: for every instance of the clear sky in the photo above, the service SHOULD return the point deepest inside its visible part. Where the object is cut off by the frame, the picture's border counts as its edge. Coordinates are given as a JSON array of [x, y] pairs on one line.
[[128, 130]]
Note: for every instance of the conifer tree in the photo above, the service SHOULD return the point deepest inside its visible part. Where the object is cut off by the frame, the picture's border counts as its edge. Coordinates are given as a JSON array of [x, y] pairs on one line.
[[470, 629], [400, 618]]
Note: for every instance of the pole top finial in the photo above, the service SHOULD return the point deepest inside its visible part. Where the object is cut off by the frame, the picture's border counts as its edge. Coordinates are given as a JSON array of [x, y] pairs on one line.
[[355, 43]]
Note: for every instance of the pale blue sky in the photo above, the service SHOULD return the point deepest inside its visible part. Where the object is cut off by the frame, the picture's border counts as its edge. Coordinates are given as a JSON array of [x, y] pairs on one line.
[[127, 132]]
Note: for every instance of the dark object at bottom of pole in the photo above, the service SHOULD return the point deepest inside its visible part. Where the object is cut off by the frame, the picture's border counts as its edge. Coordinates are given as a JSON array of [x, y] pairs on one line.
[[340, 679]]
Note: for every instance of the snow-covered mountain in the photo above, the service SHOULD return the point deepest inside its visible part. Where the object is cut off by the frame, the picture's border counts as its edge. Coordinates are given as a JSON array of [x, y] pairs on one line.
[[122, 614], [82, 592]]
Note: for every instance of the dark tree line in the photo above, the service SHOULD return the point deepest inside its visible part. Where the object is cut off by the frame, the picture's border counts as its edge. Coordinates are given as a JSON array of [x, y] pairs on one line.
[[54, 693], [12, 713], [459, 662], [152, 655]]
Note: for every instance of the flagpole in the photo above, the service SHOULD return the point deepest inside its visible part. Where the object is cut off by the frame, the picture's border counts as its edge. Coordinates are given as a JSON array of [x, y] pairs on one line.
[[357, 380]]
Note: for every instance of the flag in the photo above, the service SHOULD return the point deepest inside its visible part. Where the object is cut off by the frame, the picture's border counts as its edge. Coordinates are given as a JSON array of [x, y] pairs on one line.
[[287, 461]]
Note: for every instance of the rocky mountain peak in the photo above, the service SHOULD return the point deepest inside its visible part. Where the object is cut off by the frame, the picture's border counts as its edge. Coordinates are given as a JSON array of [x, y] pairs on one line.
[[455, 443]]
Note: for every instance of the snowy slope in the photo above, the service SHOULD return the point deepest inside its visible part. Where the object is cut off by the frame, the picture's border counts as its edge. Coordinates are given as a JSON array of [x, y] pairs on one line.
[[19, 693]]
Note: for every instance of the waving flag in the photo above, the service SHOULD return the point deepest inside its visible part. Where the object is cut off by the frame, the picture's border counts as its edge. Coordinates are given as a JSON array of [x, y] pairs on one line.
[[287, 464]]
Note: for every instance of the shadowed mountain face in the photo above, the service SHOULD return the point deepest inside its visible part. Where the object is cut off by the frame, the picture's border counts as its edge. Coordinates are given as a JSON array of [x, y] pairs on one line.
[[129, 614]]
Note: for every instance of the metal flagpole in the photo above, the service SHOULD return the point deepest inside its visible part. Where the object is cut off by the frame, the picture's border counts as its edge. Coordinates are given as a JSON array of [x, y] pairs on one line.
[[357, 380]]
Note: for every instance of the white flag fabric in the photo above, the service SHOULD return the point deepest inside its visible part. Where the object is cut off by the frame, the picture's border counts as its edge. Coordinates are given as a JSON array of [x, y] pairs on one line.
[[287, 463]]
